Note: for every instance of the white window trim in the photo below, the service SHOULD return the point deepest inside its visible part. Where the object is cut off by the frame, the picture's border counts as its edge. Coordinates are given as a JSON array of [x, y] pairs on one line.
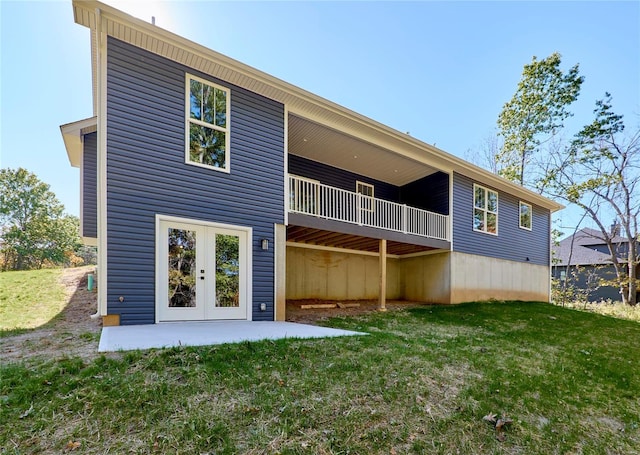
[[520, 204], [368, 185], [473, 208], [188, 120]]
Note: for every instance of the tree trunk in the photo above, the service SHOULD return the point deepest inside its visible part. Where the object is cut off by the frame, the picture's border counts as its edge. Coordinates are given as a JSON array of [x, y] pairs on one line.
[[632, 272]]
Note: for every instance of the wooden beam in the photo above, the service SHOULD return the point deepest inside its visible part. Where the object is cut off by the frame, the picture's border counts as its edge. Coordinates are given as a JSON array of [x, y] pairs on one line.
[[348, 305], [382, 261], [280, 267]]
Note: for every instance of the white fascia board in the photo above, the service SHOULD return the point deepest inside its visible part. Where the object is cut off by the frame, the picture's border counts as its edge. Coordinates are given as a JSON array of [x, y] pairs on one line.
[[72, 135]]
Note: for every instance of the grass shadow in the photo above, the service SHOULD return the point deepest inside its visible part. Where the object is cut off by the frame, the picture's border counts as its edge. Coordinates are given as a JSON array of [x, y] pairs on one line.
[[72, 305]]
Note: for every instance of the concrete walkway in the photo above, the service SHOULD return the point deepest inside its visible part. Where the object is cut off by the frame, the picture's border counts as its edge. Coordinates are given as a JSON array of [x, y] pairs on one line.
[[169, 334]]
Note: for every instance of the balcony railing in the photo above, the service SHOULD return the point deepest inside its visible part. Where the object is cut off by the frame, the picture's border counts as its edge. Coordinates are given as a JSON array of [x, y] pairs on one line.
[[312, 198]]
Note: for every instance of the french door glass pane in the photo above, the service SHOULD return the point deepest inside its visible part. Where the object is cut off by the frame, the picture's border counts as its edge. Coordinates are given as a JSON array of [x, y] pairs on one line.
[[182, 268], [227, 270]]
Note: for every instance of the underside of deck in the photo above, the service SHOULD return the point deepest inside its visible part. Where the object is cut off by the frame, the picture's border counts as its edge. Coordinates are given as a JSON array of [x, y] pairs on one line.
[[329, 233], [311, 236]]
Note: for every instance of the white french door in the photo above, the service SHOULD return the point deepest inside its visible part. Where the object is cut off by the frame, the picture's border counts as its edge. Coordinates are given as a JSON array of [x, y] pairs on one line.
[[201, 271]]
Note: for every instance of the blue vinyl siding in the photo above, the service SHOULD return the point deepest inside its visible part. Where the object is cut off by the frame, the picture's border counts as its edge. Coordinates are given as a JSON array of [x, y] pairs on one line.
[[339, 178], [147, 175], [512, 242], [606, 272], [89, 186], [429, 193]]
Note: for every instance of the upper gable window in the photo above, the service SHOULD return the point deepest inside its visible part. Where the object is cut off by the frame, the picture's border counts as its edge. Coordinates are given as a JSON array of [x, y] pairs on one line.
[[485, 210], [525, 215], [207, 124]]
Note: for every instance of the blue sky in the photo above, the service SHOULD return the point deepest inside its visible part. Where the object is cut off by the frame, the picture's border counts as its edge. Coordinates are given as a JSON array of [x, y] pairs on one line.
[[439, 70]]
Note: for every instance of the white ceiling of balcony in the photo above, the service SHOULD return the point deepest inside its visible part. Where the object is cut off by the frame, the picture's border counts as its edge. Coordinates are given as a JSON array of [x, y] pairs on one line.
[[326, 145]]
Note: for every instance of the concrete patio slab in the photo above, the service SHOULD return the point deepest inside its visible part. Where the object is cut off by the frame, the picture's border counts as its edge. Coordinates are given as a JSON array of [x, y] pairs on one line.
[[170, 334]]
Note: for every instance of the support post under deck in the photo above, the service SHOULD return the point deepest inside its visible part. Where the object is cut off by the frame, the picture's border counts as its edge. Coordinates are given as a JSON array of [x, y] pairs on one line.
[[382, 297]]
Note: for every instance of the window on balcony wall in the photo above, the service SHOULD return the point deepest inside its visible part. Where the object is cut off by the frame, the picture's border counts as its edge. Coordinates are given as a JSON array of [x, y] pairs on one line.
[[207, 124], [526, 212], [485, 210], [366, 190]]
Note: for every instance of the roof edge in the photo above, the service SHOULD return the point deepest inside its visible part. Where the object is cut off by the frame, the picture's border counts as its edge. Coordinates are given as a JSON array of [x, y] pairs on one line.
[[72, 135]]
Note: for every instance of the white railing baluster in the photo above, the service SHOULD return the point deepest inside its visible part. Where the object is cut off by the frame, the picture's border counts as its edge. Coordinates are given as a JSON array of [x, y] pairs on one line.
[[405, 214], [312, 198]]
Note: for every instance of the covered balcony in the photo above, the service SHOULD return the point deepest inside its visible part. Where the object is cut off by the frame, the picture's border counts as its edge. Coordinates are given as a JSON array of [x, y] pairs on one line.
[[309, 197], [349, 191]]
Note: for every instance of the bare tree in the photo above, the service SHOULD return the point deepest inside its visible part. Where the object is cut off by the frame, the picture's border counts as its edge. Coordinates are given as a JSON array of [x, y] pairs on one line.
[[600, 172], [486, 156]]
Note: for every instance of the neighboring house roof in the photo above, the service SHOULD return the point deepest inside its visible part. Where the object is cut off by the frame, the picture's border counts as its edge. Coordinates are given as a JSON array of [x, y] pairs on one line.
[[390, 149], [581, 243], [588, 236], [581, 255]]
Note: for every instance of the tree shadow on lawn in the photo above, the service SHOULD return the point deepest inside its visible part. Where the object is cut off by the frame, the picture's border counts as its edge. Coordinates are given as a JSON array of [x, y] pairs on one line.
[[71, 332]]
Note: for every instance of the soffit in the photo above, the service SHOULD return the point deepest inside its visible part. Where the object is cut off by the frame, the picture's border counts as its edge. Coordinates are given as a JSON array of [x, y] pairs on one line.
[[326, 145], [297, 101]]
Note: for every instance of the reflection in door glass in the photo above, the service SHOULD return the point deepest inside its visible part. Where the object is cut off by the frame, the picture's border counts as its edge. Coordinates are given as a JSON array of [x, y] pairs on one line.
[[227, 271], [182, 268]]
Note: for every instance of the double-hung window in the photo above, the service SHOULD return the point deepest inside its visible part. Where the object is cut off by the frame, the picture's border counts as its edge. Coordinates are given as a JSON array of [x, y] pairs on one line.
[[485, 210], [207, 124], [525, 215], [366, 200]]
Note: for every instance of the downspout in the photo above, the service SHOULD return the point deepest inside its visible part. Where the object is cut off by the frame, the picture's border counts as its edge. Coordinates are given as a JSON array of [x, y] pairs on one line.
[[101, 89]]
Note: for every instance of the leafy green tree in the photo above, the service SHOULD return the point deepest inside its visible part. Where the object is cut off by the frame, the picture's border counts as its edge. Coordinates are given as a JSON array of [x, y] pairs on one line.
[[600, 172], [34, 231], [535, 114], [227, 270]]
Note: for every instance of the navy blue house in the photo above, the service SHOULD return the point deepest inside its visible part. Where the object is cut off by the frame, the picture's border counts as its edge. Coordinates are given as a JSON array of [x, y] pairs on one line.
[[216, 191], [584, 260]]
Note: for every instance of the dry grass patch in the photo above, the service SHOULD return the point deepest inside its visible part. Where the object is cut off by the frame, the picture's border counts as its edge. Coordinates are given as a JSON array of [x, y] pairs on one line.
[[608, 308]]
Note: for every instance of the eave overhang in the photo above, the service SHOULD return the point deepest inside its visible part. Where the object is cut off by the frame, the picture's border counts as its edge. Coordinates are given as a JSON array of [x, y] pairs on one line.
[[299, 102], [73, 133]]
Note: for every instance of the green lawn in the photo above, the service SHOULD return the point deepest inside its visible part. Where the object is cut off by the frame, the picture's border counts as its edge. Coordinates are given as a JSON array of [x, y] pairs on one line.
[[29, 299], [421, 382]]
